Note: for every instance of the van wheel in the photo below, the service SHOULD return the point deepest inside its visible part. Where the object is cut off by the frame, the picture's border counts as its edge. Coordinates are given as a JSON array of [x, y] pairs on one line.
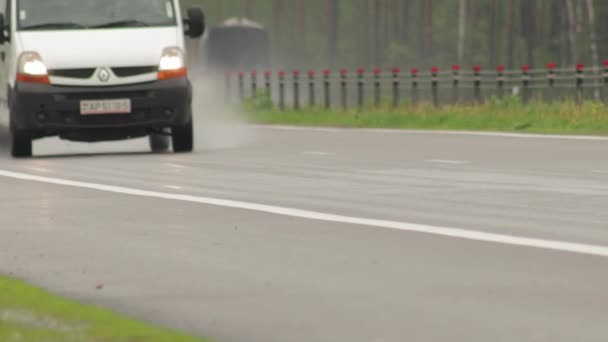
[[183, 138], [21, 144], [159, 142]]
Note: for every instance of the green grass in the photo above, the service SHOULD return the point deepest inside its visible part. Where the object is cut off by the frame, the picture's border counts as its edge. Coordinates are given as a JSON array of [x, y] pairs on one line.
[[31, 314], [505, 115]]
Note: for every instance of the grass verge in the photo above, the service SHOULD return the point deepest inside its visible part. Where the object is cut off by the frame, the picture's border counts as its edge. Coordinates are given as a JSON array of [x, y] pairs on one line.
[[504, 115], [31, 314]]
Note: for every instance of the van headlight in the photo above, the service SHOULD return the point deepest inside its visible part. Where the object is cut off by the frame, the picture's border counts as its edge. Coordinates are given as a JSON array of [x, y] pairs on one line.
[[172, 64], [31, 68]]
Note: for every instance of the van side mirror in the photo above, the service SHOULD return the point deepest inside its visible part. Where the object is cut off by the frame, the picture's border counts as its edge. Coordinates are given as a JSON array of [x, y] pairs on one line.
[[195, 22], [4, 35]]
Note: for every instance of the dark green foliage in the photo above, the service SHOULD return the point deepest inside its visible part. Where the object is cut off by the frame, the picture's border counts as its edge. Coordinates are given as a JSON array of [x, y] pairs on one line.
[[420, 33]]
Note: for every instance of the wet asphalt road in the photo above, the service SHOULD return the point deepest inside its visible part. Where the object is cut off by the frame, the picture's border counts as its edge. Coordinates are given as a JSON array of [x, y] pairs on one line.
[[246, 275]]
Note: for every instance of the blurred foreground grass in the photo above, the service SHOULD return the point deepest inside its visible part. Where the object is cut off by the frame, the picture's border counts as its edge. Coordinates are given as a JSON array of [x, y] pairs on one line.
[[31, 314], [505, 115]]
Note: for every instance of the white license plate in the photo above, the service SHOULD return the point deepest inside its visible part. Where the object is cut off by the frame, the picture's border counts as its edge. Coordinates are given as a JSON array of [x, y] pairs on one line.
[[96, 107]]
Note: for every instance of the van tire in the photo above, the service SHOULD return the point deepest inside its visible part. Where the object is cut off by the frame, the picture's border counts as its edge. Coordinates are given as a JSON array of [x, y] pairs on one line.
[[183, 138], [21, 144], [159, 143]]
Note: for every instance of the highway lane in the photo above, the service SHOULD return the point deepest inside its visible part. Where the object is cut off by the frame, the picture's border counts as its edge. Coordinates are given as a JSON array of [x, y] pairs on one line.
[[242, 275]]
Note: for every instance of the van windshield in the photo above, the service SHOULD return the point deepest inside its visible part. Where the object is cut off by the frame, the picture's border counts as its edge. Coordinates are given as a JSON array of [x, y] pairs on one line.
[[87, 14]]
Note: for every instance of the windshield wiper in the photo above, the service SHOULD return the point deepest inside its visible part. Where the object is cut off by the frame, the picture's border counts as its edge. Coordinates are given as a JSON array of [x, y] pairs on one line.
[[122, 23], [57, 25]]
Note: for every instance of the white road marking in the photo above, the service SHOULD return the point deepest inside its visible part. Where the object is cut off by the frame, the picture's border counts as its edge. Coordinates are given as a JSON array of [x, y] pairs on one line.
[[317, 153], [466, 234], [445, 161], [300, 128], [176, 166], [38, 169], [436, 132], [174, 187]]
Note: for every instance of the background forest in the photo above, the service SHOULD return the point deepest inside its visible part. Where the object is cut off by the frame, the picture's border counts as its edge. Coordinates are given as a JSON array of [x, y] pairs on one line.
[[366, 33]]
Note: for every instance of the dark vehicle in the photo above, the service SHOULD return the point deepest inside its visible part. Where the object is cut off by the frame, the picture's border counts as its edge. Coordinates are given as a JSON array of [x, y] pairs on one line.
[[237, 44]]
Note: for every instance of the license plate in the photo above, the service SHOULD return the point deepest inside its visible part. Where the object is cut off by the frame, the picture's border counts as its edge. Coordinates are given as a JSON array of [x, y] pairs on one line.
[[96, 107]]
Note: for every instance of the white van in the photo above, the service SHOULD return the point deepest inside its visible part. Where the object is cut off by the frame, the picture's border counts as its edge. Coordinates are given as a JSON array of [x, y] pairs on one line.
[[96, 70]]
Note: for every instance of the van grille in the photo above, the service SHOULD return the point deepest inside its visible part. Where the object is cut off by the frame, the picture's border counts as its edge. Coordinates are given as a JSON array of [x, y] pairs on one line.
[[133, 71], [84, 73]]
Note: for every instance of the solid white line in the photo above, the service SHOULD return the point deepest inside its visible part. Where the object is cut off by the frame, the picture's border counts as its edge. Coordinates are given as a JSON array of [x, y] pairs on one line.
[[300, 128], [563, 246], [317, 153], [439, 132], [173, 165], [444, 161]]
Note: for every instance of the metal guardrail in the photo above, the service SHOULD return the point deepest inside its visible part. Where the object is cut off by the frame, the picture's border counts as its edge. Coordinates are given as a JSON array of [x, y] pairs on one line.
[[361, 87]]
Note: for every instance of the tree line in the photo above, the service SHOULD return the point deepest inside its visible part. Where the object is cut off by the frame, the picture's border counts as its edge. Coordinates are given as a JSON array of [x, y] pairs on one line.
[[423, 33]]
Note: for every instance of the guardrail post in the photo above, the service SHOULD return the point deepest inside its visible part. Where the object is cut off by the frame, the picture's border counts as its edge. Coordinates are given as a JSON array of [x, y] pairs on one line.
[[311, 88], [500, 80], [241, 86], [455, 84], [267, 85], [228, 89], [296, 90], [327, 88], [605, 64], [254, 83], [580, 69], [377, 73], [551, 79], [414, 89], [396, 92], [343, 75], [526, 83], [360, 88], [477, 83], [434, 85], [281, 90]]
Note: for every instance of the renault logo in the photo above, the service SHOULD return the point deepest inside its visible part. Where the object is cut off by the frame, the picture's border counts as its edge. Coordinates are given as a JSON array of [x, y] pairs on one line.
[[104, 75]]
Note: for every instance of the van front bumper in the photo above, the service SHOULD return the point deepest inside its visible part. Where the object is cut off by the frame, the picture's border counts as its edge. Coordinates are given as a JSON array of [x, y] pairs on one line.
[[47, 110]]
